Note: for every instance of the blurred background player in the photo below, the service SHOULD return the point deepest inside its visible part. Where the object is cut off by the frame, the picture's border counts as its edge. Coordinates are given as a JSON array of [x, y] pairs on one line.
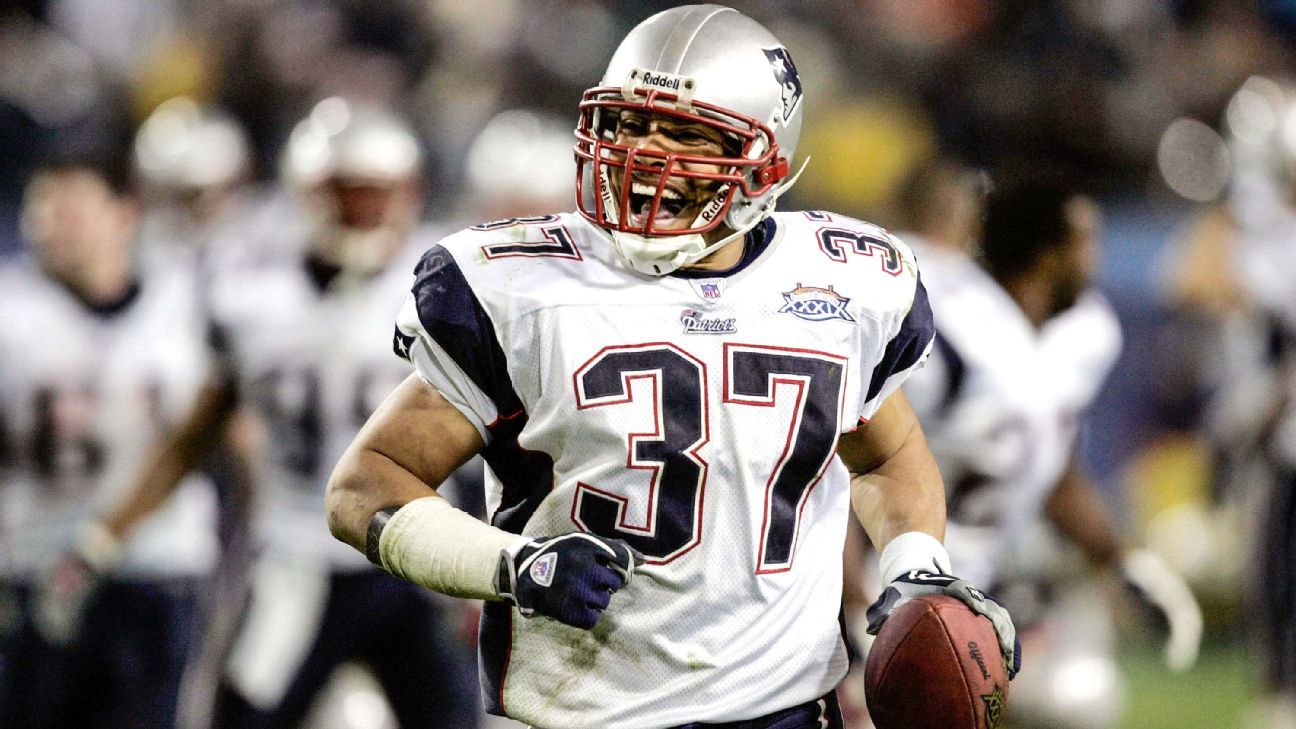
[[302, 337], [100, 356], [1023, 346], [1234, 284], [194, 165], [520, 165]]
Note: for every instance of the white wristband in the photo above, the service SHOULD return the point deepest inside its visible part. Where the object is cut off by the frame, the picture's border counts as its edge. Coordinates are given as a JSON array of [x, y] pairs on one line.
[[433, 544], [912, 551]]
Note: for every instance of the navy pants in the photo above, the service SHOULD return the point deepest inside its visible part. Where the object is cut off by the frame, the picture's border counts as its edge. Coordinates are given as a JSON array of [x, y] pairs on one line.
[[122, 671], [823, 713], [426, 670]]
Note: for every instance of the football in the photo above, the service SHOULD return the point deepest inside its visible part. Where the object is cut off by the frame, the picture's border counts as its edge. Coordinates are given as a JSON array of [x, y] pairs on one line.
[[936, 665]]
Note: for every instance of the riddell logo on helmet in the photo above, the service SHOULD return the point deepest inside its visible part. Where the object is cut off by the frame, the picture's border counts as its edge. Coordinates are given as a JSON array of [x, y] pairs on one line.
[[661, 81], [641, 78]]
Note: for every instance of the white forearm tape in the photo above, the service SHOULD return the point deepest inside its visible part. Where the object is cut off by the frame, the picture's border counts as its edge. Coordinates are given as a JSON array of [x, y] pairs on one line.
[[431, 543], [912, 551]]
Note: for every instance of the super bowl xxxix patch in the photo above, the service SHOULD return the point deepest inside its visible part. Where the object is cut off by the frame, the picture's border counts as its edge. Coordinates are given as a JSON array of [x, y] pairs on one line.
[[815, 304]]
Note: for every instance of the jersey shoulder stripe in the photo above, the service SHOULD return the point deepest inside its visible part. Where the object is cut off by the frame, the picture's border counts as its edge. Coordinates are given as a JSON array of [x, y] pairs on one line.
[[452, 317], [909, 345]]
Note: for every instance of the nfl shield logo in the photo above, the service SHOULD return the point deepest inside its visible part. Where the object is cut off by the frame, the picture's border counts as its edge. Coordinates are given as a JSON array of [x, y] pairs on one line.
[[542, 570], [710, 290]]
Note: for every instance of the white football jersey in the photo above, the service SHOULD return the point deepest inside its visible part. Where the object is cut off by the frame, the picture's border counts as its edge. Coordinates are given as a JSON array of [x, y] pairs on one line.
[[84, 396], [695, 416], [308, 359], [1000, 404]]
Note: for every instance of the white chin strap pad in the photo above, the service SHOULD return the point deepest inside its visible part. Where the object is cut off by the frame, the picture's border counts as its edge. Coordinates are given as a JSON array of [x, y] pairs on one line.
[[658, 256]]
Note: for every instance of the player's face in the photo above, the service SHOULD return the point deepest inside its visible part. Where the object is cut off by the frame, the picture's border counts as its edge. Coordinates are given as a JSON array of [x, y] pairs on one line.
[[74, 221], [360, 223], [1080, 254], [684, 197], [368, 205]]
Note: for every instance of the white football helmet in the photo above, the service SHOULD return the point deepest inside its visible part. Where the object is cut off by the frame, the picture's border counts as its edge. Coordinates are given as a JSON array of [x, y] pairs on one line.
[[699, 63], [183, 147], [1260, 124], [520, 164], [357, 168]]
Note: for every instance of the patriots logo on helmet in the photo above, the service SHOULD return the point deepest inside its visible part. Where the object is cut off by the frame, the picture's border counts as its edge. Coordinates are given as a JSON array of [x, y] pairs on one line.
[[786, 74]]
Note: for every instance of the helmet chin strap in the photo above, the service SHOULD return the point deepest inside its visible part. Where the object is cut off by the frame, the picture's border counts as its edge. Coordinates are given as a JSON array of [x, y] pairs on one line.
[[660, 255], [655, 257]]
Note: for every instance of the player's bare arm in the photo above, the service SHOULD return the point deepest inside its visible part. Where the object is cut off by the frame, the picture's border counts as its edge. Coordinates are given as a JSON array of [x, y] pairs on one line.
[[382, 500], [178, 454], [898, 495], [1078, 512], [895, 484], [412, 443]]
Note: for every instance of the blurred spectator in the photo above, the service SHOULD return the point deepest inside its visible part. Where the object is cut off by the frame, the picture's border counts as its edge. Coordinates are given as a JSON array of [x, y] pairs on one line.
[[101, 637]]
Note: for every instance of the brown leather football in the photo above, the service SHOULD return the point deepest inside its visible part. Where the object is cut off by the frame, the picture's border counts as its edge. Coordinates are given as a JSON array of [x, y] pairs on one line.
[[936, 665]]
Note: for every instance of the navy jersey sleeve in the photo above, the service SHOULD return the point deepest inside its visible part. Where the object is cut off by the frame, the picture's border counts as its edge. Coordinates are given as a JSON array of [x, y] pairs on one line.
[[904, 353], [447, 334]]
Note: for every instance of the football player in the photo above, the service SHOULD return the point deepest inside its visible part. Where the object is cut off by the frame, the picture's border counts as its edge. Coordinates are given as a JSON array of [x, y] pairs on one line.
[[100, 355], [520, 164], [1237, 269], [298, 334], [194, 165], [191, 160], [1022, 346], [680, 394]]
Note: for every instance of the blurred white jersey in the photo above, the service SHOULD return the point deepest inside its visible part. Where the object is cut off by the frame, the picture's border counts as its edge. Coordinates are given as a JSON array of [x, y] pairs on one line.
[[306, 353], [1264, 252], [1000, 404], [84, 395], [695, 416]]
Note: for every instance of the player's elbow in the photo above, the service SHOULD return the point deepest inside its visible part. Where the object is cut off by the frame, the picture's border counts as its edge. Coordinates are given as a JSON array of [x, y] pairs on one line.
[[344, 502]]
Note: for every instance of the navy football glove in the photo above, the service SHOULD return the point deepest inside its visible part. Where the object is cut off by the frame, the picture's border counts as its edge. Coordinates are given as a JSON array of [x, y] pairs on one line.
[[920, 582], [569, 578]]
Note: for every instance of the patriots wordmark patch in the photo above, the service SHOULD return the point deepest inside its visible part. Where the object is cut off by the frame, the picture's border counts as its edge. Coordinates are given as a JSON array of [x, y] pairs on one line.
[[815, 304], [542, 570], [695, 323]]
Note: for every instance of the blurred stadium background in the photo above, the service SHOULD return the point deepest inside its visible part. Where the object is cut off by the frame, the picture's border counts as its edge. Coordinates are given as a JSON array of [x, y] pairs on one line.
[[1127, 95]]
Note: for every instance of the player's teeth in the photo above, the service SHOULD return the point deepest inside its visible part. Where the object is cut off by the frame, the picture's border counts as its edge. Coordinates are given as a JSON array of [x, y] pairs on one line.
[[640, 188]]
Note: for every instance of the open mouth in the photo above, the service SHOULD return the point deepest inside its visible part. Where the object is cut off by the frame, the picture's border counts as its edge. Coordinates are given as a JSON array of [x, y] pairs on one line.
[[671, 209]]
